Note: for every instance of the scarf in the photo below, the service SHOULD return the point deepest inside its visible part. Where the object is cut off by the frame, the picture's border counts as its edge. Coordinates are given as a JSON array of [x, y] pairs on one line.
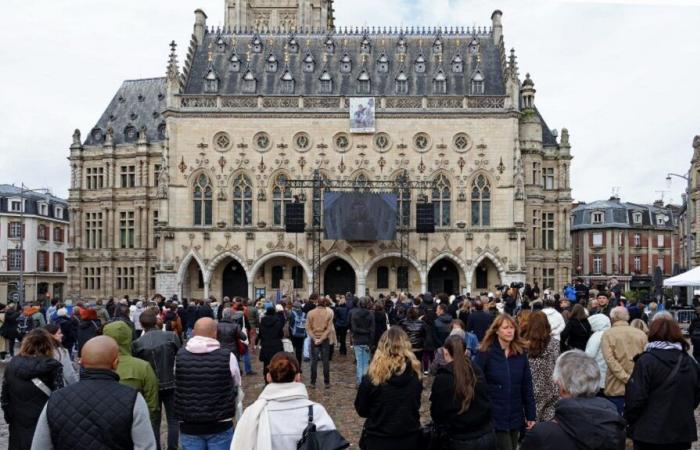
[[253, 430], [663, 345]]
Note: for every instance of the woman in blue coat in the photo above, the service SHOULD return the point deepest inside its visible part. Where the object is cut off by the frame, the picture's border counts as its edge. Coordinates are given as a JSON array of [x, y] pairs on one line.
[[503, 359]]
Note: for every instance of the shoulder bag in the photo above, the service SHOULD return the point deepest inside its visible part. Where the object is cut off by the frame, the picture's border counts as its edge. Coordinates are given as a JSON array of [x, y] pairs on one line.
[[320, 440]]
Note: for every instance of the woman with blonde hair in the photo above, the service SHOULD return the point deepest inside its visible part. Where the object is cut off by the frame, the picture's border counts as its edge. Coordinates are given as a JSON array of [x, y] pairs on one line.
[[389, 396], [523, 318], [503, 359]]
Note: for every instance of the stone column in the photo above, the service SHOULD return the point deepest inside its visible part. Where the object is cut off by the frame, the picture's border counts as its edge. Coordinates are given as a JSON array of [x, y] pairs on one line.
[[424, 281], [251, 290], [361, 285]]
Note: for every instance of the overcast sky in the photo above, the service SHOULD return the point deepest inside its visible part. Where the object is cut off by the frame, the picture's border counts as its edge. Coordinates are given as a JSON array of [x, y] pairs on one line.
[[622, 76]]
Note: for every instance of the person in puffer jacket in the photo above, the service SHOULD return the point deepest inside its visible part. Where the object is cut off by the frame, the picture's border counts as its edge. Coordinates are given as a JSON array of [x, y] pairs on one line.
[[599, 323], [556, 320]]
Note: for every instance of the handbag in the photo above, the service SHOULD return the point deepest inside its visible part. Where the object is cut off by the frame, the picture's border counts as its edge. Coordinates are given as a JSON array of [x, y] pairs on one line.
[[287, 345], [320, 440]]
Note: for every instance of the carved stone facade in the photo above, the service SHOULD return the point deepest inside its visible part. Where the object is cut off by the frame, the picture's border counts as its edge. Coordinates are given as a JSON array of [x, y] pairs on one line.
[[227, 153]]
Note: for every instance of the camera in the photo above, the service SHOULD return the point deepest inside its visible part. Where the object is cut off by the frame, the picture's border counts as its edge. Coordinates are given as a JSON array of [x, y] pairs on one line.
[[517, 285]]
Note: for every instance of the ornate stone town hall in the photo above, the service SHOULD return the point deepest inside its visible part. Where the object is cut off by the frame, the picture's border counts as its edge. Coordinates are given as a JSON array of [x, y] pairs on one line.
[[181, 186]]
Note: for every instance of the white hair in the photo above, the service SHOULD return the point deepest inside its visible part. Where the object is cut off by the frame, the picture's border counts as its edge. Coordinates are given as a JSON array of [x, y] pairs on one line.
[[577, 374], [664, 314], [619, 313]]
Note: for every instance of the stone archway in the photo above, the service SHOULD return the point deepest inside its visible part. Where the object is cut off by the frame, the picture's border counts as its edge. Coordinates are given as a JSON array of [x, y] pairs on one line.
[[388, 265], [443, 277], [234, 281], [486, 275], [339, 277]]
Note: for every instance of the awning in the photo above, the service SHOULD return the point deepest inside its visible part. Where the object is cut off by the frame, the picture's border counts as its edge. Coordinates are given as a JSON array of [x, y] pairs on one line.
[[689, 278]]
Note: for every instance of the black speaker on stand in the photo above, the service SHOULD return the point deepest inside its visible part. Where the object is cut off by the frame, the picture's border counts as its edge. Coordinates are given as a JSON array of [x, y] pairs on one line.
[[294, 218], [425, 218]]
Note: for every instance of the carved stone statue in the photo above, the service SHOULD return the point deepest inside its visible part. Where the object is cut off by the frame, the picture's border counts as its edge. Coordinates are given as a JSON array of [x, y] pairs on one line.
[[163, 179], [696, 142], [76, 137]]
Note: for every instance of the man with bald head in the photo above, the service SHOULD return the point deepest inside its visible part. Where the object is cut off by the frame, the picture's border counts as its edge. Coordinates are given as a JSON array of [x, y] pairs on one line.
[[97, 412], [206, 382]]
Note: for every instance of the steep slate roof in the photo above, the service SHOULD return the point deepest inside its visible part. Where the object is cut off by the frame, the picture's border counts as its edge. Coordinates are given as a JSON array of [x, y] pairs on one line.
[[617, 214], [32, 199], [137, 104], [221, 47]]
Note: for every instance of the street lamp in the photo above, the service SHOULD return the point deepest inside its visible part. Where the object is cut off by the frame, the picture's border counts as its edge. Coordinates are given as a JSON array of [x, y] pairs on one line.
[[22, 192], [688, 215]]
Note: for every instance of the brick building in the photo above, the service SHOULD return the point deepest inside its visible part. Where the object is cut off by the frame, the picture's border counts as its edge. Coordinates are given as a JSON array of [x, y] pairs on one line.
[[628, 241]]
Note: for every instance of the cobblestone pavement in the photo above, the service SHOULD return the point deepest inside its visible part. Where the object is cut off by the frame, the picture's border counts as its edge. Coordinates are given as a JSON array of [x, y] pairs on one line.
[[338, 400]]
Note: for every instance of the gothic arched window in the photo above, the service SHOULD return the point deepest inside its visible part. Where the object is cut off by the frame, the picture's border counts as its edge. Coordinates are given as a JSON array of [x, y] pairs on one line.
[[481, 202], [202, 201], [442, 196], [242, 201], [281, 195]]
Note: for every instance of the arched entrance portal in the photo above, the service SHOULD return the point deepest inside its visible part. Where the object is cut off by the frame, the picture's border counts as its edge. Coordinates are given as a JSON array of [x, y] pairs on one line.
[[234, 281], [486, 275], [443, 278], [338, 278]]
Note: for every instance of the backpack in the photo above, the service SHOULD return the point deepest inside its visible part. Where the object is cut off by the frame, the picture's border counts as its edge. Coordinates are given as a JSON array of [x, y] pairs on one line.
[[298, 324], [25, 324]]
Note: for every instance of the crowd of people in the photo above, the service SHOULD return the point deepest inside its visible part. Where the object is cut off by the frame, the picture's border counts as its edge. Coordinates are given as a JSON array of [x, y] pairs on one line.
[[517, 368]]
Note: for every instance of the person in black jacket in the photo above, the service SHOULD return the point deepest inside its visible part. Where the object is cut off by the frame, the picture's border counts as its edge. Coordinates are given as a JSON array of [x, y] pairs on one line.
[[694, 333], [389, 396], [415, 329], [362, 325], [459, 402], [443, 324], [380, 322], [479, 321], [21, 399], [581, 420], [430, 344], [75, 417], [9, 330], [229, 332], [342, 322], [577, 330], [159, 349], [69, 329], [270, 336], [663, 391]]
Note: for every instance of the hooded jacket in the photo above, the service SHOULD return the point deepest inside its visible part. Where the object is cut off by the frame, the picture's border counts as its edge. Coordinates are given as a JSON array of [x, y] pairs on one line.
[[660, 406], [599, 323], [415, 329], [362, 326], [134, 372], [442, 328], [556, 321], [579, 424], [21, 400], [392, 408]]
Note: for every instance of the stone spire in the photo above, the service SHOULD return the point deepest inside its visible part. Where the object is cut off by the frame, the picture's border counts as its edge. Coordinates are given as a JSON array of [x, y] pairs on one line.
[[173, 69], [528, 92]]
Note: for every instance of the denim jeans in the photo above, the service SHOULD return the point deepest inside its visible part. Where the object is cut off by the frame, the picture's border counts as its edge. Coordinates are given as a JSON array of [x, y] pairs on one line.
[[325, 350], [362, 359], [167, 399], [619, 402], [246, 362], [218, 441]]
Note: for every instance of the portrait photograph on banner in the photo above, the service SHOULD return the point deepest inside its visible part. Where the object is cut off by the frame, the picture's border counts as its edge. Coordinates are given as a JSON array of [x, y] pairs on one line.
[[362, 111]]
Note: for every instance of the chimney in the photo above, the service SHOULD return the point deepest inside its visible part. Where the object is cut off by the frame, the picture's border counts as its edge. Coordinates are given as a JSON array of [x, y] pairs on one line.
[[497, 26], [200, 25]]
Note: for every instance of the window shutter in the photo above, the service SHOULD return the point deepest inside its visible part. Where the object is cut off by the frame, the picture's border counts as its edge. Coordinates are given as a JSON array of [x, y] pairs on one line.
[[38, 232], [23, 228], [38, 261], [24, 267]]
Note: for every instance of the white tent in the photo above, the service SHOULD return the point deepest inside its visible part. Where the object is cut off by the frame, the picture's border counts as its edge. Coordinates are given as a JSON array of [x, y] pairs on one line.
[[689, 278]]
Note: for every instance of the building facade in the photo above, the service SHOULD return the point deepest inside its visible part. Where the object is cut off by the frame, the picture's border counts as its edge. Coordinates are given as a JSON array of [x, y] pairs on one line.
[[194, 166], [689, 221], [626, 241], [33, 243]]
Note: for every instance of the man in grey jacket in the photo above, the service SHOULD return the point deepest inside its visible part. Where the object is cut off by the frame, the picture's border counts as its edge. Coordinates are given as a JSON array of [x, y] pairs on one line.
[[98, 411]]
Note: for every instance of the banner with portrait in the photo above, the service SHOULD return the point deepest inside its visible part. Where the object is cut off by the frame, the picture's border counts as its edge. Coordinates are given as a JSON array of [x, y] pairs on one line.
[[362, 110]]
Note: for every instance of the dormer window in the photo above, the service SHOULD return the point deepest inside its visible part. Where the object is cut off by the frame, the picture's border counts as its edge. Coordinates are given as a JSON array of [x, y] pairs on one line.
[[43, 209], [211, 82], [309, 63], [474, 47], [131, 134], [364, 86], [293, 45], [249, 83], [401, 45], [637, 218], [271, 63], [58, 212], [287, 82], [345, 64], [660, 219], [257, 45], [401, 83], [235, 63], [221, 45], [330, 46], [383, 64], [366, 46], [597, 217], [420, 64], [326, 83], [477, 83], [15, 205], [437, 46], [440, 83], [457, 64]]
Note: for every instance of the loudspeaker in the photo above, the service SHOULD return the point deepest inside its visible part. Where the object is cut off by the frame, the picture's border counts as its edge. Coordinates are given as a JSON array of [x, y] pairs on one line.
[[294, 217], [425, 218]]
